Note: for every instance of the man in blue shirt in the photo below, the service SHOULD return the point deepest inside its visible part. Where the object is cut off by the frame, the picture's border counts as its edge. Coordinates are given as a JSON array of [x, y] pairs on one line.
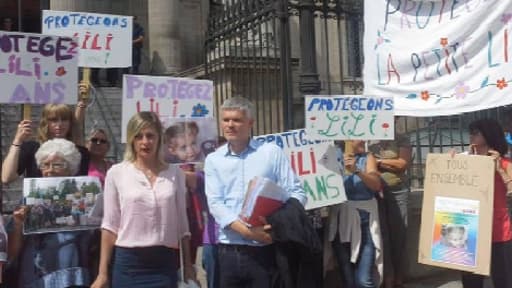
[[246, 258]]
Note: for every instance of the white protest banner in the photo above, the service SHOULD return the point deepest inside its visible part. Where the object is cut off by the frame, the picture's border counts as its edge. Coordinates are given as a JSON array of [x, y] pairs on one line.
[[104, 40], [438, 57], [37, 69], [62, 204], [349, 117], [457, 212], [315, 163], [166, 96]]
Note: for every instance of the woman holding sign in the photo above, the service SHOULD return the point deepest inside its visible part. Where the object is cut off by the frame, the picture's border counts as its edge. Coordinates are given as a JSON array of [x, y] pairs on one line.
[[145, 217], [58, 259], [486, 138], [357, 256], [57, 121]]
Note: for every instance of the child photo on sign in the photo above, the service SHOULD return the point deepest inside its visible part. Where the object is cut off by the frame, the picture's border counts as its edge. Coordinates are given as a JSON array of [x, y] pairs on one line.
[[189, 141]]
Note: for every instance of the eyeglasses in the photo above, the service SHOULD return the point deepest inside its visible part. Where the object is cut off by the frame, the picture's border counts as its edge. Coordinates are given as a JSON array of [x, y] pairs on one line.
[[53, 165], [98, 141]]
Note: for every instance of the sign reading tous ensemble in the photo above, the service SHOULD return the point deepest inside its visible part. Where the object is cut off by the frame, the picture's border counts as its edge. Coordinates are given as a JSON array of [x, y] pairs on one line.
[[456, 218]]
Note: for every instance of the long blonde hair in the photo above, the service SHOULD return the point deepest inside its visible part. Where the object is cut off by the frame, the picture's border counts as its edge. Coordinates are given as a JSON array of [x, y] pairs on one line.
[[61, 111], [138, 122]]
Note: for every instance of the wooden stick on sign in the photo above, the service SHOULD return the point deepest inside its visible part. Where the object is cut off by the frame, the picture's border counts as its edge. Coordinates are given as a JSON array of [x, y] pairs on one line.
[[349, 150], [86, 79], [27, 111]]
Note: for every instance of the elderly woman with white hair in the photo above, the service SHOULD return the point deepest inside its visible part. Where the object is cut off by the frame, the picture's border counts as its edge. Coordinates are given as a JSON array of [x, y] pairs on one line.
[[56, 260]]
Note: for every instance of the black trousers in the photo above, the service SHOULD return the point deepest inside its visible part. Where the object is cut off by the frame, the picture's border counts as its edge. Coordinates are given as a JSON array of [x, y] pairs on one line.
[[501, 264], [243, 266]]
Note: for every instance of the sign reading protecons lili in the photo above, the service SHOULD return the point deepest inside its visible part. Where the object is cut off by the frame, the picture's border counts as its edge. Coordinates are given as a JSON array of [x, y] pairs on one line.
[[104, 40], [37, 69], [316, 165], [348, 117]]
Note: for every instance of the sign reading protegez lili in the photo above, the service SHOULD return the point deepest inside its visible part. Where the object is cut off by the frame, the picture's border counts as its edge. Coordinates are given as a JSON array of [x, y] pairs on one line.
[[166, 96], [316, 165], [104, 40], [37, 69], [438, 57], [349, 117]]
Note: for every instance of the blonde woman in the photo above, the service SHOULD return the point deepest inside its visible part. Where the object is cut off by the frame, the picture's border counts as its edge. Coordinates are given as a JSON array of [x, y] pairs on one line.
[[145, 214]]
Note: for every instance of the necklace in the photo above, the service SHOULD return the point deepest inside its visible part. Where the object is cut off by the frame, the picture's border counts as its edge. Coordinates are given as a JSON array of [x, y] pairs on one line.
[[147, 172]]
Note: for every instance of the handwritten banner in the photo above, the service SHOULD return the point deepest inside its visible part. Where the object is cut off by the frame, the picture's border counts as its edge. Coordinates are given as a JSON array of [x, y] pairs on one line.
[[316, 165], [438, 57], [37, 69], [104, 40], [167, 96], [348, 117]]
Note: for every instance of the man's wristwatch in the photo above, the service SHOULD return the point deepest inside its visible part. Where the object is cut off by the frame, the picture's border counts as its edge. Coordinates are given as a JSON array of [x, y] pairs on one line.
[[357, 171]]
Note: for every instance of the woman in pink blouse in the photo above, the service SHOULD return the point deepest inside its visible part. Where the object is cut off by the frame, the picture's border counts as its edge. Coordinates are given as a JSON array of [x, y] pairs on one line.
[[145, 215]]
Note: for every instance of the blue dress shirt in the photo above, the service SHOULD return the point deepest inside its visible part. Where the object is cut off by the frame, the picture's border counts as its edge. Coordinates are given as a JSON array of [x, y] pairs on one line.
[[227, 177]]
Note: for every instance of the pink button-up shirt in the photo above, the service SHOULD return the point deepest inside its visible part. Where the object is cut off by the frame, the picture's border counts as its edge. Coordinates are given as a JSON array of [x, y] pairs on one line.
[[143, 216]]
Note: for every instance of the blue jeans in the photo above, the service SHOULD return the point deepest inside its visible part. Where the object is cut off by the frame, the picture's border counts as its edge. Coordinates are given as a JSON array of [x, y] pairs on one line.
[[211, 265], [359, 274]]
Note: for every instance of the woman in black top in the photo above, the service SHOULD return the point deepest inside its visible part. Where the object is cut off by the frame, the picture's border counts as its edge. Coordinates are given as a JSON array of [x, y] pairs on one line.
[[57, 121]]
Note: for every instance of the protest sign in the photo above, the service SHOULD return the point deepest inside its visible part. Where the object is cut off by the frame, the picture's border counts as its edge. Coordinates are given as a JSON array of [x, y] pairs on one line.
[[166, 96], [61, 204], [37, 69], [189, 140], [346, 117], [103, 40], [456, 218], [438, 57], [315, 162]]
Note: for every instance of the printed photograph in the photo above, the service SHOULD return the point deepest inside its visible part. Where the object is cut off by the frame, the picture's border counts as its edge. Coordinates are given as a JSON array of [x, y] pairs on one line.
[[189, 140], [455, 231], [61, 204]]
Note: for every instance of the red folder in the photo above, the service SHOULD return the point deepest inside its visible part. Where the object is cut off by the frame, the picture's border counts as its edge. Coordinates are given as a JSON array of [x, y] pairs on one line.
[[263, 198]]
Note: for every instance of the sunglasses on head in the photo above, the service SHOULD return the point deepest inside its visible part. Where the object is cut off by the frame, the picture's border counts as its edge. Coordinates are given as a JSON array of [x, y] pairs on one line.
[[98, 141]]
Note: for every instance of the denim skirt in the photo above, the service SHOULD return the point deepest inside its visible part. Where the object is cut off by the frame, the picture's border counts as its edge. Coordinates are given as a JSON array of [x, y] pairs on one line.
[[148, 267]]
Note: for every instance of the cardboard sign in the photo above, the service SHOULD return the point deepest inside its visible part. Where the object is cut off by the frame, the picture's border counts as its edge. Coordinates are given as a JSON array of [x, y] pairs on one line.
[[104, 40], [456, 218], [189, 140], [61, 204], [316, 165], [347, 117], [166, 96], [37, 69], [438, 57]]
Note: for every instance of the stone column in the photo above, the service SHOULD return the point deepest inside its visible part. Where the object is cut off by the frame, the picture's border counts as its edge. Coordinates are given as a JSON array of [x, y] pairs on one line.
[[309, 83], [163, 35]]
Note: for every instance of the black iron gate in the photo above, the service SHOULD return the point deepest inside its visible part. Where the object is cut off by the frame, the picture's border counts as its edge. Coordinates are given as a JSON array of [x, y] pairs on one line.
[[266, 50], [276, 51]]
